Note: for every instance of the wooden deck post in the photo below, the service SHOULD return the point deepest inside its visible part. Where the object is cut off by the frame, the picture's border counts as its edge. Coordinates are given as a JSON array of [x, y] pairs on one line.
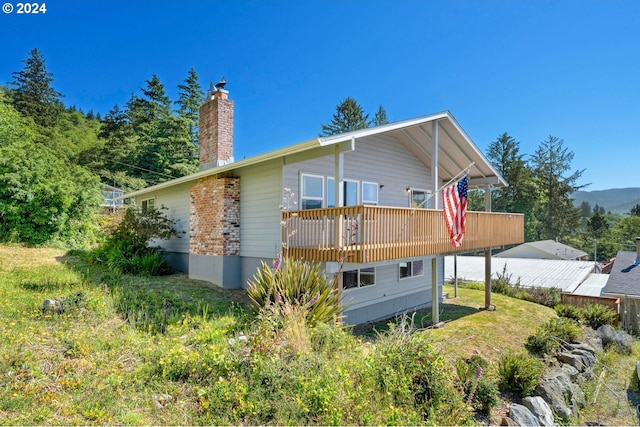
[[487, 254]]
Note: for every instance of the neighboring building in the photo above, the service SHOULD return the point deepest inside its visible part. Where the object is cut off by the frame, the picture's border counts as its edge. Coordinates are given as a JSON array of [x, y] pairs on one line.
[[111, 198], [347, 198], [624, 279], [542, 273], [544, 249]]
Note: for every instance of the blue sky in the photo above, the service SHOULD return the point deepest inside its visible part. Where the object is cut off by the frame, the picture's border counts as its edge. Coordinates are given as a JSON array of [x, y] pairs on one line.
[[530, 68]]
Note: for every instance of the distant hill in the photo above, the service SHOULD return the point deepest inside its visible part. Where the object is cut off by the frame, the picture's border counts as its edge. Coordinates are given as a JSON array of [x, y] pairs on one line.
[[615, 200]]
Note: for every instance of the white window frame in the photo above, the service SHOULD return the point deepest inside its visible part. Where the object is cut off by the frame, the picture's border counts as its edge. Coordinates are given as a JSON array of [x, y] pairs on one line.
[[428, 197], [372, 201], [331, 182], [412, 269], [144, 204], [303, 197], [359, 272]]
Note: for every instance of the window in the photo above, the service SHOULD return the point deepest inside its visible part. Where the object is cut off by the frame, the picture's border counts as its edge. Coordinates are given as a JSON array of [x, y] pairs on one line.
[[312, 193], [369, 193], [359, 278], [420, 199], [350, 190], [148, 205], [411, 269]]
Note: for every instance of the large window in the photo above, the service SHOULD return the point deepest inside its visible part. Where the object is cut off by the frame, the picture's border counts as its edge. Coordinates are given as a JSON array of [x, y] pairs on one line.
[[359, 278], [312, 191], [411, 269]]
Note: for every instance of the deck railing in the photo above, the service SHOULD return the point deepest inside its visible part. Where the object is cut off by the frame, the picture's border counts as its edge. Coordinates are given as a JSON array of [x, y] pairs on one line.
[[374, 233]]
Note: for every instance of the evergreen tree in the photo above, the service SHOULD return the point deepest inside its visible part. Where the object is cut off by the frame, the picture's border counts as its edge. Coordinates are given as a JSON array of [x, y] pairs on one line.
[[33, 95], [597, 225], [349, 116], [635, 211], [557, 215], [190, 98], [380, 118]]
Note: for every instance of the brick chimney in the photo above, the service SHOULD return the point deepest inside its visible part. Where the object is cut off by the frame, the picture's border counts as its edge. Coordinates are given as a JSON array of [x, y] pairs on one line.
[[216, 127]]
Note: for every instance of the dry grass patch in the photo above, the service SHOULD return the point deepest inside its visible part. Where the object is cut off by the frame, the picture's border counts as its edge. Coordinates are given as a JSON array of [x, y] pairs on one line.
[[16, 256]]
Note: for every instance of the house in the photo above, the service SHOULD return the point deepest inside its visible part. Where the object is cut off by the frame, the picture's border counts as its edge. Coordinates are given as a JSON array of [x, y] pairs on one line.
[[111, 198], [544, 249], [624, 279], [350, 203]]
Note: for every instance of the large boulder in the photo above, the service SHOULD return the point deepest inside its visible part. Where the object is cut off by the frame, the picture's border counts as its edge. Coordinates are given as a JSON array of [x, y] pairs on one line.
[[540, 409], [621, 341], [562, 395], [522, 416]]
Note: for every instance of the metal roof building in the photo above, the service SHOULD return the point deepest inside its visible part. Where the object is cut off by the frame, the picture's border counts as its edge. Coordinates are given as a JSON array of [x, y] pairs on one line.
[[545, 273]]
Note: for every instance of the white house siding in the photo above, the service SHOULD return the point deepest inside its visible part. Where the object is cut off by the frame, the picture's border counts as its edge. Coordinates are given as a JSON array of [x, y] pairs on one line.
[[260, 215], [381, 160], [391, 295], [176, 200]]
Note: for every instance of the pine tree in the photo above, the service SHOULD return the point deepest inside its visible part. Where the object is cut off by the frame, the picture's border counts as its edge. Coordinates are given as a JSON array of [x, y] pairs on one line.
[[33, 95], [380, 118], [349, 116], [557, 214], [190, 98]]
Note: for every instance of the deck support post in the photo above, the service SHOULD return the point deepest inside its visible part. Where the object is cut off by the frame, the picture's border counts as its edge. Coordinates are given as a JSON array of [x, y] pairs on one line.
[[338, 160], [435, 301], [487, 254], [434, 163]]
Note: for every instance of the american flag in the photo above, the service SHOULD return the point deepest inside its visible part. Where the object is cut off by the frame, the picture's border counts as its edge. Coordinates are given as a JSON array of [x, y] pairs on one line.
[[454, 202]]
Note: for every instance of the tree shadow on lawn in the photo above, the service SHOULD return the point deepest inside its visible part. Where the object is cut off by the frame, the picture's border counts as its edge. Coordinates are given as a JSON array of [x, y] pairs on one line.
[[421, 319]]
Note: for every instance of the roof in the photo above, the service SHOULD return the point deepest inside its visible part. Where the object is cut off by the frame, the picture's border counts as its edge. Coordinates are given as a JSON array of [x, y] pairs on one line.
[[624, 278], [456, 151], [544, 273], [593, 286], [547, 249]]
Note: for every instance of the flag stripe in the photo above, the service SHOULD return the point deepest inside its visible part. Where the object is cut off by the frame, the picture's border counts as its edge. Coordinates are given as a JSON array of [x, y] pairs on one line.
[[454, 202]]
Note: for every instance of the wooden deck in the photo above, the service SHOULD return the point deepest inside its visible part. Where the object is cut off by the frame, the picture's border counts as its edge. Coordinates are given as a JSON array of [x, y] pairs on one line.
[[373, 233]]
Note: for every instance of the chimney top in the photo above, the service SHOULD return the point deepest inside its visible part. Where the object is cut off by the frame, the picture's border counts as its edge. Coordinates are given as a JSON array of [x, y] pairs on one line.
[[218, 91]]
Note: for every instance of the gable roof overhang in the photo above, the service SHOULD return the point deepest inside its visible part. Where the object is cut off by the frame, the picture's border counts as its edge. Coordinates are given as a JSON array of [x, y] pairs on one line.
[[456, 151]]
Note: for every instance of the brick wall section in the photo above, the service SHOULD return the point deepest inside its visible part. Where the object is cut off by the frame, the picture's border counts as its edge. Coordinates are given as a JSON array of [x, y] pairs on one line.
[[215, 217], [216, 129]]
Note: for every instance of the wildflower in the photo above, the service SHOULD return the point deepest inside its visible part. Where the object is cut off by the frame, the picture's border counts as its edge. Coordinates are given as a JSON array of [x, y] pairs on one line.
[[479, 371], [315, 299], [278, 298], [277, 261]]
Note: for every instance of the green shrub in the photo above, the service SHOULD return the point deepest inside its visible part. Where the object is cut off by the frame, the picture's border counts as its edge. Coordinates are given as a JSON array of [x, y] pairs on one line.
[[519, 373], [569, 311], [297, 283], [596, 315], [480, 391], [126, 250], [550, 335]]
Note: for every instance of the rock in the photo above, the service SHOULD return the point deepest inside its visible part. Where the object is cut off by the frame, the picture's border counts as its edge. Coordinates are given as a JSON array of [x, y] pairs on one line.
[[522, 416], [606, 333], [572, 359], [540, 409], [570, 372], [506, 421], [161, 400], [623, 342], [581, 346], [553, 388], [53, 306]]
